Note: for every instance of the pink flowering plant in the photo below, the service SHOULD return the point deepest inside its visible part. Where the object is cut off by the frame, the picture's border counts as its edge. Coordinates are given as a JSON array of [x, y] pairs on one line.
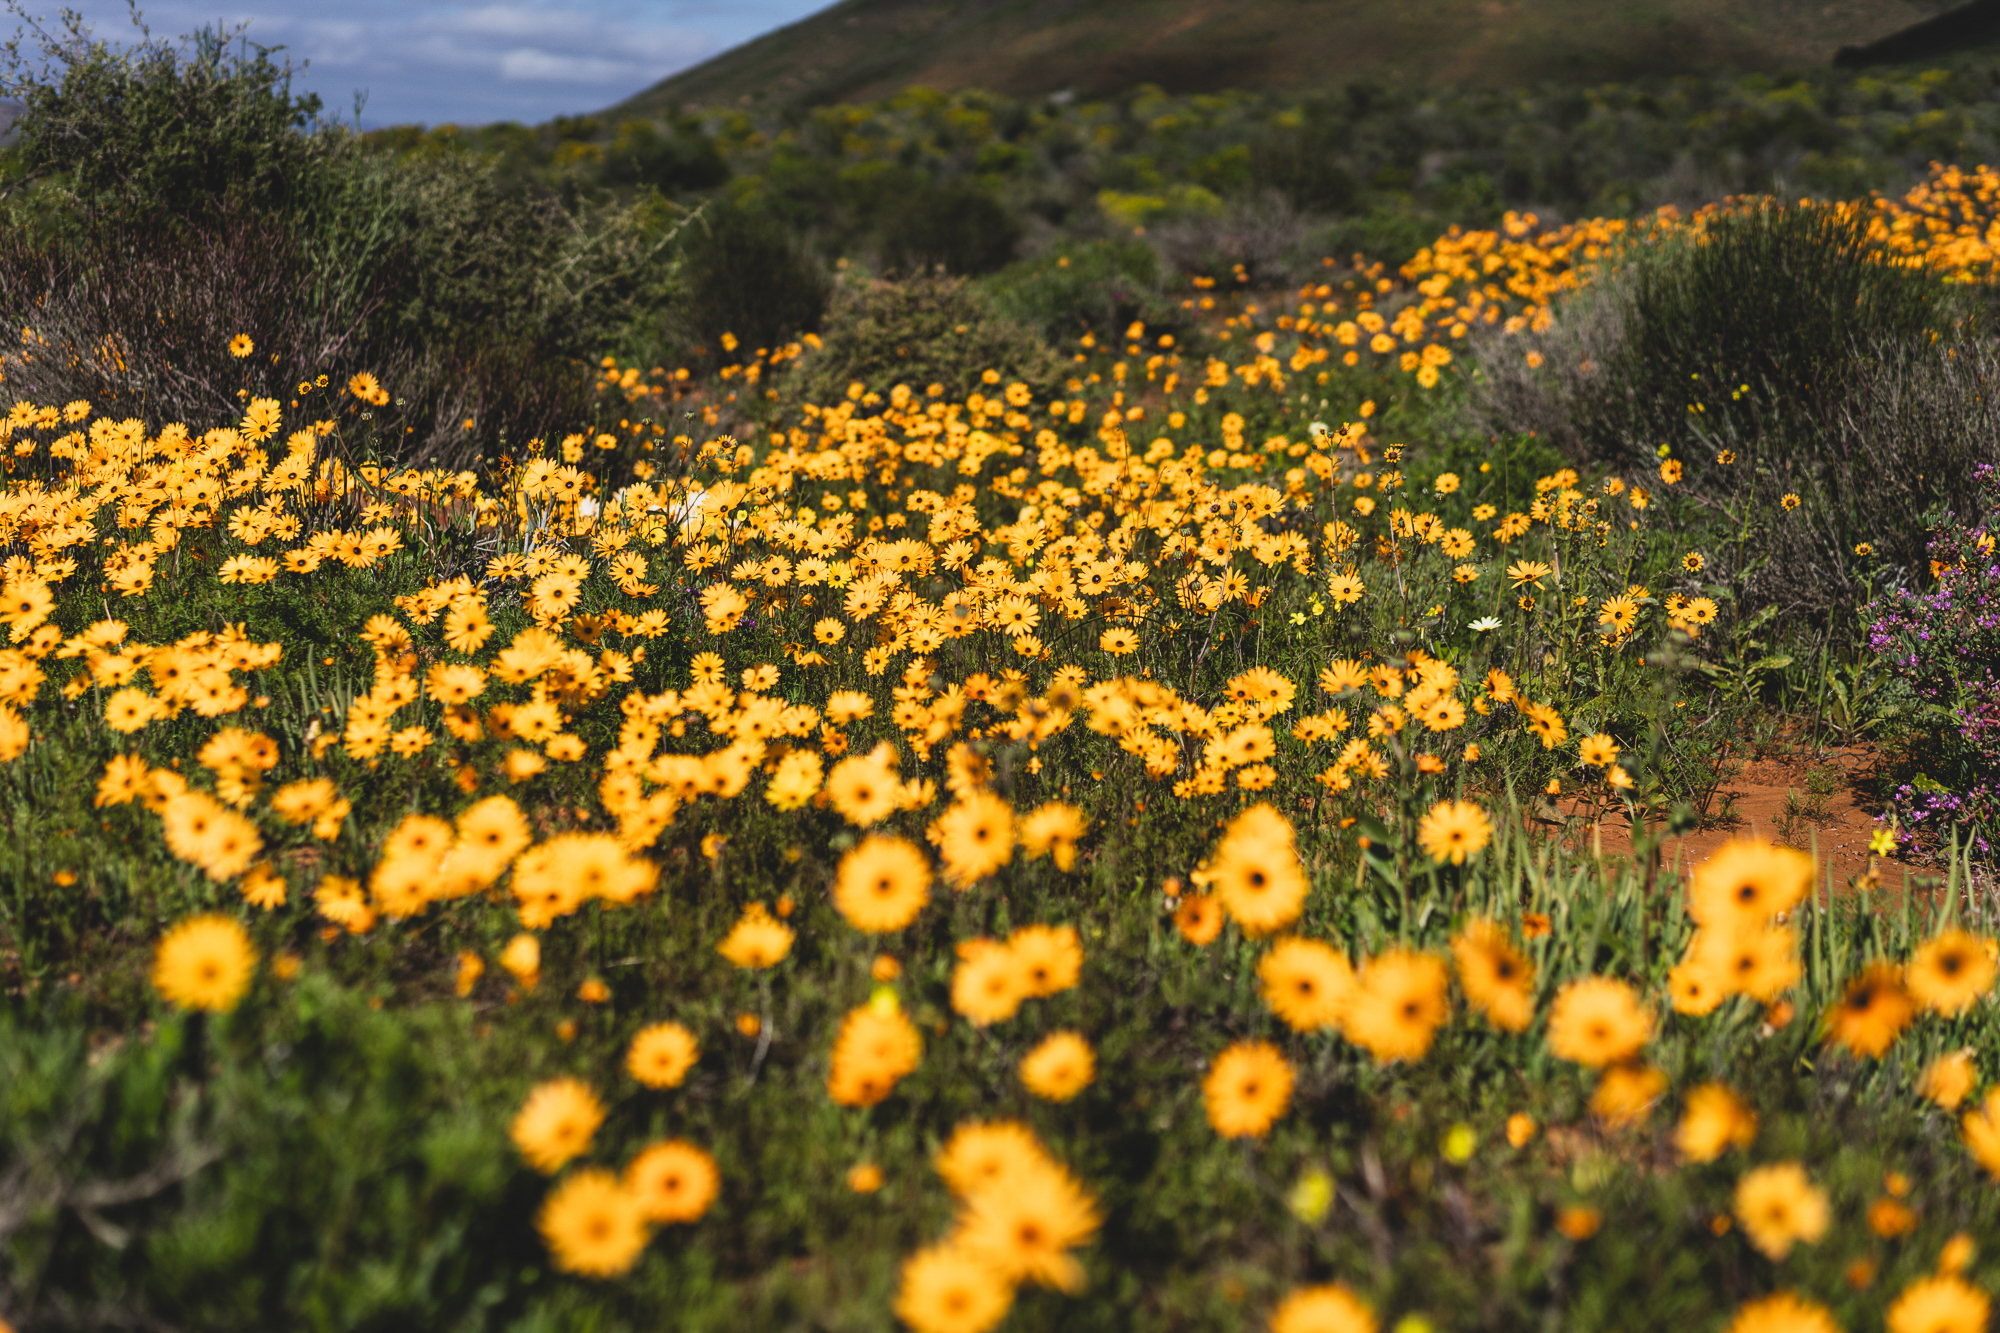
[[1943, 645]]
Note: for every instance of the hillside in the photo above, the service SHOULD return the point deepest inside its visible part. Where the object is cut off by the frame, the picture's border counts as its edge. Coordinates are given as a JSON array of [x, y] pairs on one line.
[[862, 49]]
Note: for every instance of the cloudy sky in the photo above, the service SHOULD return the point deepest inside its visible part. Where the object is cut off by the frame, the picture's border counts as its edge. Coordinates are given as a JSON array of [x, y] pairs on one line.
[[470, 61]]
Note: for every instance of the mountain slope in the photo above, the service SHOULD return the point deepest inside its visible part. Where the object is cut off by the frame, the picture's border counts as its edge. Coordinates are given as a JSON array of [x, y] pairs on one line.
[[863, 49]]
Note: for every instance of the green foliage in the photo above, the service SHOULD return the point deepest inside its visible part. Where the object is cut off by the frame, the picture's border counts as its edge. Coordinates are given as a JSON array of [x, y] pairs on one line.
[[333, 1155], [1502, 469], [158, 128], [328, 1166], [1304, 164], [1777, 354], [1390, 233], [747, 276], [675, 162], [959, 228], [1099, 287], [935, 330]]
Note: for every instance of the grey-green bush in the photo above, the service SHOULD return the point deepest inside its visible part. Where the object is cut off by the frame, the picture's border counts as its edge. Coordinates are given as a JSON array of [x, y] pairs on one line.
[[744, 274], [932, 330], [193, 197], [1778, 354], [1098, 286], [182, 129]]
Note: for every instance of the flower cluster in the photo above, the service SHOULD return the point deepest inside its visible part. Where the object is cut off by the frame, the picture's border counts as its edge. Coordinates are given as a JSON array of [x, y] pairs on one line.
[[904, 630], [1944, 647], [1021, 1213]]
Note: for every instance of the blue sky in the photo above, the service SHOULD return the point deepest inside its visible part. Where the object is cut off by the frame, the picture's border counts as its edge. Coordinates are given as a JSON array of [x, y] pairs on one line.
[[470, 61]]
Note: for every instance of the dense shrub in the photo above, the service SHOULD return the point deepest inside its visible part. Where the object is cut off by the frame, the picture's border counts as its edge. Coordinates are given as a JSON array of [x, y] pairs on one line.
[[471, 304], [74, 305], [934, 330], [1776, 354], [744, 275], [1786, 302], [183, 129], [957, 227], [672, 162], [478, 262], [195, 198], [1074, 289], [1304, 164], [1389, 233]]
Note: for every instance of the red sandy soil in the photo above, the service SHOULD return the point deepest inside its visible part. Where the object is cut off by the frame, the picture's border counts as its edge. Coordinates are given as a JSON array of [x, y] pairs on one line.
[[1839, 838]]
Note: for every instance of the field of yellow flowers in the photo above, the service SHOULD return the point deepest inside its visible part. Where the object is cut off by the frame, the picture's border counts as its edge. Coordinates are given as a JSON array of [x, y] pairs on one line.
[[1009, 860]]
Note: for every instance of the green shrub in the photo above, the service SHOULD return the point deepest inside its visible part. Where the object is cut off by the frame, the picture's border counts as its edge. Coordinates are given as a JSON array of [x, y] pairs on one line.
[[1388, 233], [183, 129], [477, 260], [934, 330], [1305, 165], [1077, 288], [1780, 307], [194, 198], [746, 275], [674, 162], [957, 227], [1777, 355]]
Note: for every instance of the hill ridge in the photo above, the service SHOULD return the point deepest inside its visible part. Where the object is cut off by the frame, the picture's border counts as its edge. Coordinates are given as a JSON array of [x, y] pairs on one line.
[[859, 50]]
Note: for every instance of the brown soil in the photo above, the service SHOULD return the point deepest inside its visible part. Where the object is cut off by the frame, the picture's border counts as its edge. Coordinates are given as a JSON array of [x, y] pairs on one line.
[[1836, 829]]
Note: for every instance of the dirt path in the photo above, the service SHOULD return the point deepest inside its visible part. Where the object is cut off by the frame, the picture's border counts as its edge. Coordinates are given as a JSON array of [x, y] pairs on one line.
[[1820, 803]]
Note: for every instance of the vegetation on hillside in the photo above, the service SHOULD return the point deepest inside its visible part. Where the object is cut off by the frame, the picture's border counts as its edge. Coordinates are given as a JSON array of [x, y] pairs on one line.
[[861, 50], [1381, 170]]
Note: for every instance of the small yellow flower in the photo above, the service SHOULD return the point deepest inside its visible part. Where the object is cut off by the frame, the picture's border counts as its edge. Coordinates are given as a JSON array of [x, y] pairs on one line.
[[1312, 1197], [1460, 1142]]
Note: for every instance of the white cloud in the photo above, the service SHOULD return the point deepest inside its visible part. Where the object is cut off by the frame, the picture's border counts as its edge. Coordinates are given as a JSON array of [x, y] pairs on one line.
[[546, 65]]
